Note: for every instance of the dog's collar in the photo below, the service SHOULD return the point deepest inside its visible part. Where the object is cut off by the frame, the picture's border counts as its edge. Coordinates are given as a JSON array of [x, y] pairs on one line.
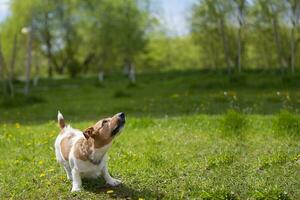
[[94, 161]]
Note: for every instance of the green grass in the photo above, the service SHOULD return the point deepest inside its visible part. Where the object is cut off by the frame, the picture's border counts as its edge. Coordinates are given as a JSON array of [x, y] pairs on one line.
[[179, 143]]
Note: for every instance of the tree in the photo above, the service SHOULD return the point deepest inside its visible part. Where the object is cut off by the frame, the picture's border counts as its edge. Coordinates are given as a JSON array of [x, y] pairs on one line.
[[209, 18], [294, 16], [132, 40], [29, 32], [241, 6]]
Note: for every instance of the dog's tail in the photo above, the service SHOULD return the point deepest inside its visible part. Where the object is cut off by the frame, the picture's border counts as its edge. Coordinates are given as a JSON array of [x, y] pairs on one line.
[[60, 120]]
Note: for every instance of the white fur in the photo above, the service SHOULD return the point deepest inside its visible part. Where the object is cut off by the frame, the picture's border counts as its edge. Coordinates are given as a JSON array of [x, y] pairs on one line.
[[59, 116], [76, 168]]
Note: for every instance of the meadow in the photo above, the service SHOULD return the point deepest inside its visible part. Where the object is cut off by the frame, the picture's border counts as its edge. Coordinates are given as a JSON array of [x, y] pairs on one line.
[[189, 135]]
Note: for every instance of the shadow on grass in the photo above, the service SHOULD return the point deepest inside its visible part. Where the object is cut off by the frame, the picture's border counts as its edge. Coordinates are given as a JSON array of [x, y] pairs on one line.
[[98, 186], [20, 101]]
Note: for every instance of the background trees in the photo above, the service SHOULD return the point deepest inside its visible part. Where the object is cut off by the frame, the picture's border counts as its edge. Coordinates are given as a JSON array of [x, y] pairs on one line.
[[256, 34], [98, 37]]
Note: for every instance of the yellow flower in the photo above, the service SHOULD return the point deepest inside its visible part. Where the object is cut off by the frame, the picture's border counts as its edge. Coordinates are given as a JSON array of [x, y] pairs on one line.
[[141, 198], [18, 125], [109, 191], [42, 175], [41, 162]]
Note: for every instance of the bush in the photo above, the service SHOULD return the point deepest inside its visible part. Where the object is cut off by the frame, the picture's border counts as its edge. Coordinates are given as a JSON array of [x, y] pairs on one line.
[[286, 123], [233, 122]]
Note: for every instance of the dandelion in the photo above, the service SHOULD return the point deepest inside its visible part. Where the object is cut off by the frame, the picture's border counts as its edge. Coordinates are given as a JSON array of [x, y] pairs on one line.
[[42, 175], [18, 125], [41, 162], [109, 191], [17, 161]]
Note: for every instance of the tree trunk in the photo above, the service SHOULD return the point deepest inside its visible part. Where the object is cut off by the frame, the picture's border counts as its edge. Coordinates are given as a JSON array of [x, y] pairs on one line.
[[101, 76], [239, 61], [50, 68], [126, 68], [131, 74], [2, 72], [277, 38], [241, 7], [12, 67], [293, 53], [29, 60], [295, 9], [225, 45], [37, 71]]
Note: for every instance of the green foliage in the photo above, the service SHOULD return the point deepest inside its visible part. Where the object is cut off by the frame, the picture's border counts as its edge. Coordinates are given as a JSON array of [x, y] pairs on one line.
[[233, 122], [77, 36], [286, 123], [265, 30]]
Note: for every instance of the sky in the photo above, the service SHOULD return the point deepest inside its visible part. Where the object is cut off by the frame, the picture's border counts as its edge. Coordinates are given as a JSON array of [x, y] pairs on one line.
[[174, 14]]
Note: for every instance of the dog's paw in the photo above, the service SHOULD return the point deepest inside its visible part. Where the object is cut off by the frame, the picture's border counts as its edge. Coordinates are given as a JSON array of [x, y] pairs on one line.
[[75, 189], [114, 182]]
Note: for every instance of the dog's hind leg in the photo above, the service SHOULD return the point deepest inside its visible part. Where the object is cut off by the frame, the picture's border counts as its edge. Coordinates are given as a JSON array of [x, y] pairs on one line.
[[68, 170]]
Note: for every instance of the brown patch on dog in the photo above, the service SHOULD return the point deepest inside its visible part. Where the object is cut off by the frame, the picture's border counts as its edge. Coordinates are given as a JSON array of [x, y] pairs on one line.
[[96, 137], [83, 148], [65, 146]]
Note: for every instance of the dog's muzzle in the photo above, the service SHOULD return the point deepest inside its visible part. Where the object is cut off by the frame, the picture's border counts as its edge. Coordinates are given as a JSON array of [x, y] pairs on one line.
[[121, 123]]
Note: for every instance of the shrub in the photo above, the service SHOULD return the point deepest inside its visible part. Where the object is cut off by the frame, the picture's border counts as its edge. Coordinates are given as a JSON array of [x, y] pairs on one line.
[[286, 123], [233, 122]]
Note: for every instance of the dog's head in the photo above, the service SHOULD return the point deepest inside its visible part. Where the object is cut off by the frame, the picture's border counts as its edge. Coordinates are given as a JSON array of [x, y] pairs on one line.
[[105, 130]]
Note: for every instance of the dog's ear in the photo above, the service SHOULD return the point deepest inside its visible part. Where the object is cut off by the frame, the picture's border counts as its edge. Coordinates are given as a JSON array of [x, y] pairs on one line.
[[88, 132]]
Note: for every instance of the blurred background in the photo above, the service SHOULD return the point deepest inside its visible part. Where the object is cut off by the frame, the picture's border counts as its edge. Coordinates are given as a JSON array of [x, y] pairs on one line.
[[204, 56], [210, 89]]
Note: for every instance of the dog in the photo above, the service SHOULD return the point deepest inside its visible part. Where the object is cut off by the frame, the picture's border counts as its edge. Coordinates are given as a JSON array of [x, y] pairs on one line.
[[84, 154]]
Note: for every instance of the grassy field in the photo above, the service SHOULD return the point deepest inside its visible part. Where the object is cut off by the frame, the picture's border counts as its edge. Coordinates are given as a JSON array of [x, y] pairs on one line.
[[180, 141]]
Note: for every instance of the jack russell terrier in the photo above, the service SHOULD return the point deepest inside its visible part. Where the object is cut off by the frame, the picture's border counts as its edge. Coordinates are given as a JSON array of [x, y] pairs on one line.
[[83, 154]]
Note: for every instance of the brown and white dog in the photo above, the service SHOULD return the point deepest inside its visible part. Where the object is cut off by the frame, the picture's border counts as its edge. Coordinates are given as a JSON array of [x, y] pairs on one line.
[[84, 154]]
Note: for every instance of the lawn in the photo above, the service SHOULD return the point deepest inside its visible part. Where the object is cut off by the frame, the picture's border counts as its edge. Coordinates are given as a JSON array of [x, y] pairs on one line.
[[180, 140]]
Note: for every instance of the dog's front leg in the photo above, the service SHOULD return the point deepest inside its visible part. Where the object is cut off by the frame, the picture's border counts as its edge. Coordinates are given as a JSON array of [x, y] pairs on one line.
[[76, 184], [109, 180]]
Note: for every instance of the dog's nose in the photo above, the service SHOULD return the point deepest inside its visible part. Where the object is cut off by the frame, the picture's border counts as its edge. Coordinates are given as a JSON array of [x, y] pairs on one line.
[[122, 115]]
